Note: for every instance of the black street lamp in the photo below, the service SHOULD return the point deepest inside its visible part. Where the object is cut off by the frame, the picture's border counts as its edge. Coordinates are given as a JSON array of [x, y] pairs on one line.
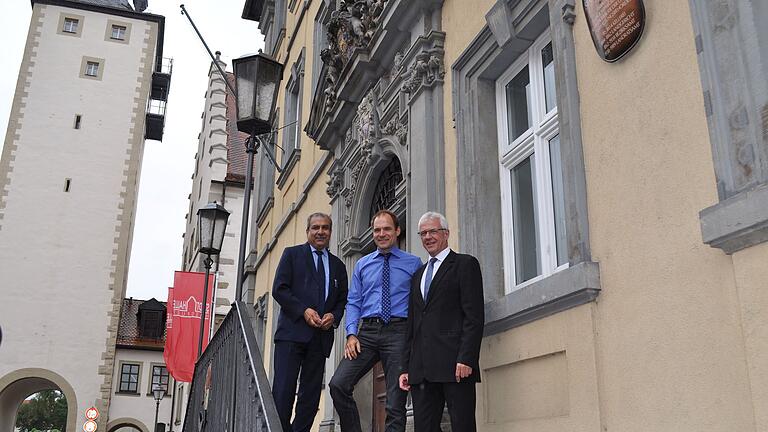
[[257, 78], [256, 81], [211, 224], [157, 392]]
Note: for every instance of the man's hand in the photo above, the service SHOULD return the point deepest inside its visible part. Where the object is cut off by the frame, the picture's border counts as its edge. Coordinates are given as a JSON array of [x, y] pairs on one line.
[[352, 348], [312, 318], [462, 371], [404, 382], [327, 321]]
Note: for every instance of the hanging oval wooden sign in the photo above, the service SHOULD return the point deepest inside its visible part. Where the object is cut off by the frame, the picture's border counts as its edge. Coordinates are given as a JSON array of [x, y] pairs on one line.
[[615, 25]]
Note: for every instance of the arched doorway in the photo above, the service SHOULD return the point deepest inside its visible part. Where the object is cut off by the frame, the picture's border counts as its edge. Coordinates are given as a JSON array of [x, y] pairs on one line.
[[19, 385], [380, 186], [126, 425]]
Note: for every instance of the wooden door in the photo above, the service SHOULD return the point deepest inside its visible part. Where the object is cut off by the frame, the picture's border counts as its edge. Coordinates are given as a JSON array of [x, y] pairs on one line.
[[379, 398]]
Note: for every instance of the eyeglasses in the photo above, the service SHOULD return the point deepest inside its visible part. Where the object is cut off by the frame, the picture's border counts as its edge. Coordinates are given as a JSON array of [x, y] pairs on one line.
[[431, 232]]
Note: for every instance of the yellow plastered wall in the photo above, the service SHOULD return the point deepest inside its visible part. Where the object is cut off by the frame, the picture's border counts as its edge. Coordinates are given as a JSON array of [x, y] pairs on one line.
[[288, 199], [663, 347]]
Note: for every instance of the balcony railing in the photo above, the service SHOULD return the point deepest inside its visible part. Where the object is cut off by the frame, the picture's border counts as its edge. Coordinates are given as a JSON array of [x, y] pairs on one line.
[[230, 391]]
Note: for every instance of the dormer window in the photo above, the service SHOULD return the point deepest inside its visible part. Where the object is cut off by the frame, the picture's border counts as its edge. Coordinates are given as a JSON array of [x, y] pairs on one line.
[[151, 319], [151, 324]]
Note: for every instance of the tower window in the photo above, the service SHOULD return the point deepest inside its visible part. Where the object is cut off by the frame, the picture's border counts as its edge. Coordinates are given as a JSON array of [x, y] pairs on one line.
[[67, 184], [92, 69], [118, 32], [78, 119], [70, 25]]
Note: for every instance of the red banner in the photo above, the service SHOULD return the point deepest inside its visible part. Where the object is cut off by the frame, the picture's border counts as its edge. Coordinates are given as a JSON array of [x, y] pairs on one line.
[[183, 322], [167, 357]]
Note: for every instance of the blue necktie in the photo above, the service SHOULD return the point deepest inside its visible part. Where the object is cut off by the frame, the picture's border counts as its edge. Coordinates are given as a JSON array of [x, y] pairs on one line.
[[386, 302], [428, 278], [321, 278]]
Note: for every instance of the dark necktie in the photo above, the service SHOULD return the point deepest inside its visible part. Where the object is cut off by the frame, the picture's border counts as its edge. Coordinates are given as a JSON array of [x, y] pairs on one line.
[[428, 277], [386, 305], [321, 278]]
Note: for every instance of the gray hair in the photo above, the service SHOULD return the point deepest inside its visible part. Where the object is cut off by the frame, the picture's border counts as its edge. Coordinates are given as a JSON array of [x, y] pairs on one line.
[[430, 215], [322, 215]]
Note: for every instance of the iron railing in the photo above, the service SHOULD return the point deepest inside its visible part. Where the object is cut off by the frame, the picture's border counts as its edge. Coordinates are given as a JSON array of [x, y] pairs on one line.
[[230, 391]]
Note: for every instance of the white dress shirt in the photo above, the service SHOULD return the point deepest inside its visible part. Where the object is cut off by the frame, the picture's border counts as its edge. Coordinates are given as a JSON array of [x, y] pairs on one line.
[[440, 258]]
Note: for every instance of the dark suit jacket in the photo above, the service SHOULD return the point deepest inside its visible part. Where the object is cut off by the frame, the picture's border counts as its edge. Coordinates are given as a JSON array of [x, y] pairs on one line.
[[448, 328], [296, 287]]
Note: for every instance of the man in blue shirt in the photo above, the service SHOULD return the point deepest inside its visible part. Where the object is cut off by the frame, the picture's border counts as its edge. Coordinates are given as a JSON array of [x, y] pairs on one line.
[[377, 307]]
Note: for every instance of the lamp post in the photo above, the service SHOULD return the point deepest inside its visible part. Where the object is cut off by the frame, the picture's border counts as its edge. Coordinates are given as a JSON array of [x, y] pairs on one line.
[[157, 392], [256, 83], [211, 224]]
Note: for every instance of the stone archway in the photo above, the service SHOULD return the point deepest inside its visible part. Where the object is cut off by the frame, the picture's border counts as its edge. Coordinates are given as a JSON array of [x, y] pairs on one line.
[[20, 384], [126, 424]]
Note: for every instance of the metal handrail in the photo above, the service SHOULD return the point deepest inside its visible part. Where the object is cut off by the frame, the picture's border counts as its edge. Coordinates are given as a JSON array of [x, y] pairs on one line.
[[230, 390]]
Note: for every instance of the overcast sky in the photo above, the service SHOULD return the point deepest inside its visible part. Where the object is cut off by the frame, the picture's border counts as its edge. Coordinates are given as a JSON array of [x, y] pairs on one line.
[[168, 165]]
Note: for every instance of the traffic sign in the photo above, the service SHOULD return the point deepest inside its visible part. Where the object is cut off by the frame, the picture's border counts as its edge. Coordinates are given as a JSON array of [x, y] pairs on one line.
[[90, 426], [92, 413]]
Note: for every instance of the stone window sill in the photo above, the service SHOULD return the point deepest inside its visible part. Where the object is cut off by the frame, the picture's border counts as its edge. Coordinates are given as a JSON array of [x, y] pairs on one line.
[[738, 222], [563, 290]]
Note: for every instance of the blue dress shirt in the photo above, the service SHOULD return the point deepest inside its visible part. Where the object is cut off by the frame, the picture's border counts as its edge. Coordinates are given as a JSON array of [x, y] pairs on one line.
[[326, 266], [364, 298]]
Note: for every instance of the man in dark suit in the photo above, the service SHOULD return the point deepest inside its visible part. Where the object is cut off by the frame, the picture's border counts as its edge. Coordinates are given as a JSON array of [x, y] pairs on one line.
[[445, 328], [311, 287]]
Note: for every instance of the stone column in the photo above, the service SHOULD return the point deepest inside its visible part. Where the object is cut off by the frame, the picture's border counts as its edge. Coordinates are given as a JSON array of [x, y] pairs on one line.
[[426, 142]]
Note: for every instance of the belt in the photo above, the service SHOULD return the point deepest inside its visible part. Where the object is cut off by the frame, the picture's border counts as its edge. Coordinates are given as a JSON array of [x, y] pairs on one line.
[[377, 320]]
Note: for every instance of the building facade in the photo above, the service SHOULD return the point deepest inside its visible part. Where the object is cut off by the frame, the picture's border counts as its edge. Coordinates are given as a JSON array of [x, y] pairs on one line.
[[139, 365], [219, 176], [91, 88], [618, 210]]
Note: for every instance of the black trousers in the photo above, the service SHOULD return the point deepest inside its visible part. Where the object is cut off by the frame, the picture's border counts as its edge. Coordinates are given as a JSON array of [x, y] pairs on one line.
[[377, 342], [304, 362], [429, 399]]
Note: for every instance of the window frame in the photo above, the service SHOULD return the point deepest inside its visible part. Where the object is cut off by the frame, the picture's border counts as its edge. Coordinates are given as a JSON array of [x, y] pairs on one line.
[[61, 29], [68, 20], [510, 29], [120, 381], [291, 136], [109, 31], [151, 382], [535, 141], [95, 72], [85, 65], [728, 58], [119, 36]]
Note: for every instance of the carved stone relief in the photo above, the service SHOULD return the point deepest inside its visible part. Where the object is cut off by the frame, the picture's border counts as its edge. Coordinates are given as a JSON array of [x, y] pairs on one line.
[[335, 182], [398, 128], [427, 69], [351, 26]]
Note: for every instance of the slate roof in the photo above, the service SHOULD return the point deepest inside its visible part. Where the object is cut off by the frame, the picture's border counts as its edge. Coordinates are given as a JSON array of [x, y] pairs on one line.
[[128, 329], [115, 4], [236, 154]]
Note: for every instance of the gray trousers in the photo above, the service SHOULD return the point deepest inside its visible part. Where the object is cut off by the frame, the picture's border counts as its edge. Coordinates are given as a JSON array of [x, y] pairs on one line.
[[378, 341]]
